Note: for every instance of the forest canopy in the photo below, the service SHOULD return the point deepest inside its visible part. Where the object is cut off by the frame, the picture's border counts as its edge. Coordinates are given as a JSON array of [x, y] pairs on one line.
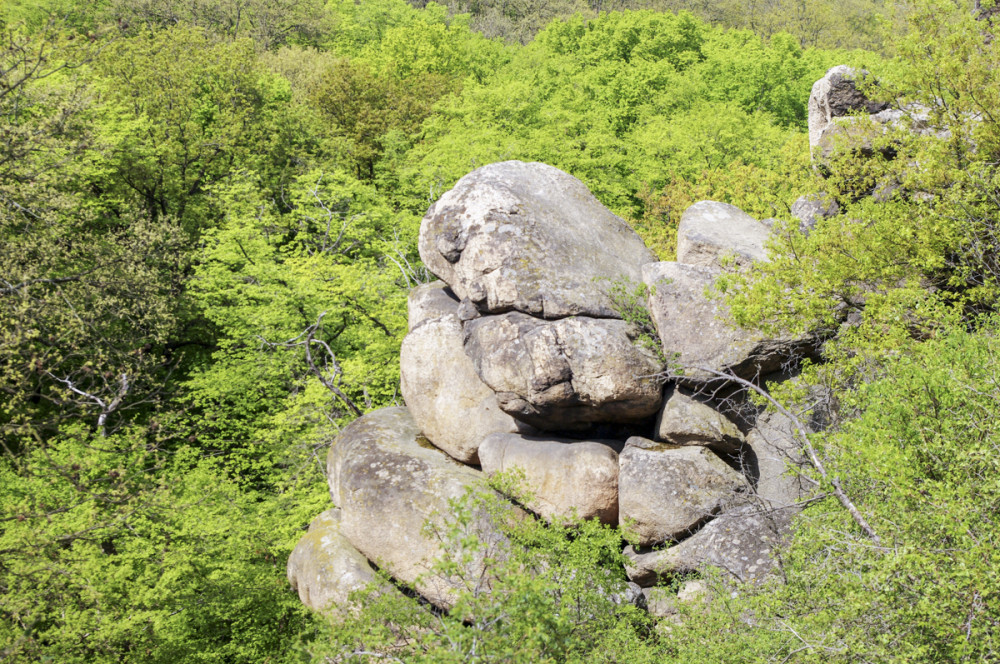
[[208, 228]]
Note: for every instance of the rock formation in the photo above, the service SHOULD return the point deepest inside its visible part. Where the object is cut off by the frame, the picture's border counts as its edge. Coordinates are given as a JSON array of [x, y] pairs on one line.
[[519, 360]]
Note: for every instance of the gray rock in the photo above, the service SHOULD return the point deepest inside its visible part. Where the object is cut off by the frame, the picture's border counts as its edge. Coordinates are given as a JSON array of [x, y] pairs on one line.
[[666, 491], [452, 406], [710, 232], [740, 542], [776, 463], [835, 96], [562, 477], [325, 569], [528, 237], [663, 602], [567, 373], [428, 302], [390, 483], [687, 421], [702, 333], [810, 209]]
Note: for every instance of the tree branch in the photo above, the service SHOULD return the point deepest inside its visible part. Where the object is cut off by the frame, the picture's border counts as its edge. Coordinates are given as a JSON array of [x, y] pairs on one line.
[[803, 438]]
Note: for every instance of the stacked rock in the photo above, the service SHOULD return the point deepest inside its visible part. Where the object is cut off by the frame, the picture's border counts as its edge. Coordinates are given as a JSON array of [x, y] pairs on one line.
[[519, 358]]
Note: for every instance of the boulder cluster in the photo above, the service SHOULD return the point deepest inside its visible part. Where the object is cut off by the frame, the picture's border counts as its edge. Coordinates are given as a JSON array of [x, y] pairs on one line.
[[525, 357]]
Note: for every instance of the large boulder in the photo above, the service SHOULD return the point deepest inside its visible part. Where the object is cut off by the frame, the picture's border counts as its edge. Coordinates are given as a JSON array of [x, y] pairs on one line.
[[711, 233], [528, 237], [390, 483], [562, 477], [685, 420], [448, 400], [836, 95], [666, 491], [701, 332], [740, 542], [324, 569], [429, 302], [567, 373]]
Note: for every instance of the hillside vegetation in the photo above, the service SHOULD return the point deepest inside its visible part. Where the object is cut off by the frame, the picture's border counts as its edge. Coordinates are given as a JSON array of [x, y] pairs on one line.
[[208, 223]]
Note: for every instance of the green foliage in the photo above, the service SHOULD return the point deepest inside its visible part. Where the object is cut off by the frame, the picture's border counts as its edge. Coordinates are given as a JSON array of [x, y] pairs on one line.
[[932, 221], [181, 114], [917, 451], [267, 23], [116, 551], [637, 105]]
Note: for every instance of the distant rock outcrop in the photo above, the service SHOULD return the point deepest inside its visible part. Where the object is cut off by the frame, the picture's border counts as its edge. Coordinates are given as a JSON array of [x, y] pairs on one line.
[[834, 103], [520, 360]]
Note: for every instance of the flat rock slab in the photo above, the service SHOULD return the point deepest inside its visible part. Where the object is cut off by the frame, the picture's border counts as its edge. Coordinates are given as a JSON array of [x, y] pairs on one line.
[[740, 543], [325, 568], [701, 332], [666, 491], [686, 421], [563, 477], [567, 373], [428, 302], [448, 400], [531, 238], [777, 463], [389, 483], [710, 232]]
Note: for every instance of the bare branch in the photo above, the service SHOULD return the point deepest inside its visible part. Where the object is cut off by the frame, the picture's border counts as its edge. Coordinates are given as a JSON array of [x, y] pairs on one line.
[[106, 408], [306, 340]]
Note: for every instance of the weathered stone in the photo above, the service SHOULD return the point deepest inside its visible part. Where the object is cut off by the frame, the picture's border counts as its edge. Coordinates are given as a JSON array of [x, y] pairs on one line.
[[810, 209], [528, 237], [775, 462], [687, 421], [389, 483], [448, 400], [666, 491], [566, 373], [739, 542], [662, 602], [710, 232], [325, 568], [562, 477], [701, 331], [835, 96], [429, 301]]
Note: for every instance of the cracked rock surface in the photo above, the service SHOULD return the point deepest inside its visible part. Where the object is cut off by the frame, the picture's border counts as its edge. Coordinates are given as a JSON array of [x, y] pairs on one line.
[[528, 237], [567, 373]]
